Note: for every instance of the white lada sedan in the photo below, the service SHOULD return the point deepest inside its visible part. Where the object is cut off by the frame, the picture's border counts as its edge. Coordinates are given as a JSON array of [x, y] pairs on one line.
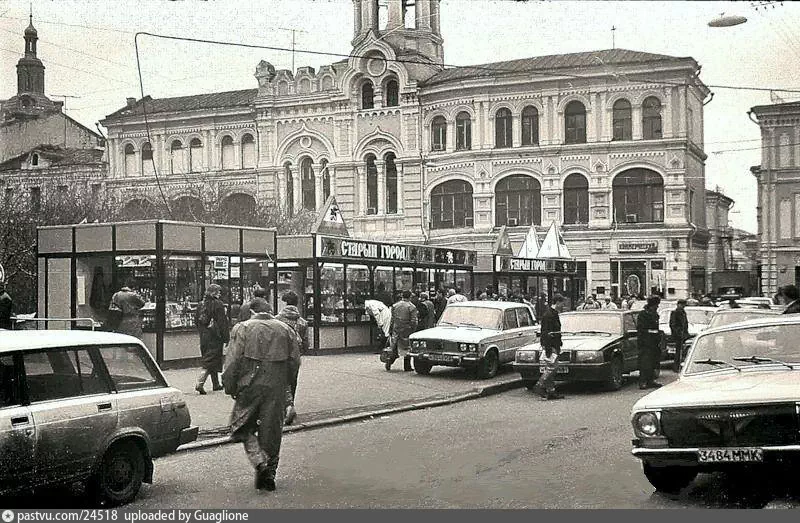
[[79, 406], [477, 334], [736, 405]]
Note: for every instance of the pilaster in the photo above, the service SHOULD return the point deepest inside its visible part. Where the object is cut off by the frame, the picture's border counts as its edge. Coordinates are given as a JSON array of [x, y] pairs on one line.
[[381, 167]]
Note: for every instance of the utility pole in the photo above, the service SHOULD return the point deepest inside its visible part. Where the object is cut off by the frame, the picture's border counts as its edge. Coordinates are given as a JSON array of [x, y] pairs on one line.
[[65, 96], [293, 30]]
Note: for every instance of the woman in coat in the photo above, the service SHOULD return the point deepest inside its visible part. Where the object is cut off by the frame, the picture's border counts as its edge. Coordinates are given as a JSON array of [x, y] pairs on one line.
[[128, 303], [212, 322]]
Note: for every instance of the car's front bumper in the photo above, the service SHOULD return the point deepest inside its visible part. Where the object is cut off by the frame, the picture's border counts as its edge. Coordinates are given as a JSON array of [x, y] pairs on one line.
[[567, 371], [688, 456], [447, 359], [188, 435]]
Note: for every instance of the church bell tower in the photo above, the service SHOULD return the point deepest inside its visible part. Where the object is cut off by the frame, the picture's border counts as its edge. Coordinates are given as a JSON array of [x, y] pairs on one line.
[[30, 70]]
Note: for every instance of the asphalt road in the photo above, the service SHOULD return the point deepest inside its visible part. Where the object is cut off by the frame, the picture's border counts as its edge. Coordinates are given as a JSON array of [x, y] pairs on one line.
[[507, 451]]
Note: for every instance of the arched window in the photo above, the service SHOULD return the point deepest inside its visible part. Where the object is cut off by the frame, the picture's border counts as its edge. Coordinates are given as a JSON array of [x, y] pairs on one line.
[[139, 209], [438, 134], [391, 184], [451, 205], [326, 180], [176, 164], [638, 196], [622, 120], [195, 155], [248, 152], [305, 86], [367, 95], [530, 126], [238, 209], [327, 83], [228, 153], [651, 118], [283, 88], [576, 199], [287, 170], [147, 159], [188, 209], [309, 184], [130, 160], [392, 93], [575, 123], [34, 159], [463, 131], [518, 201], [503, 128], [372, 185]]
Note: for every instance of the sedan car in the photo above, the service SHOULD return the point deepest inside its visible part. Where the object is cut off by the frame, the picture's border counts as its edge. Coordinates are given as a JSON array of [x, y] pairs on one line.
[[84, 406], [598, 346], [698, 317], [477, 334], [736, 405]]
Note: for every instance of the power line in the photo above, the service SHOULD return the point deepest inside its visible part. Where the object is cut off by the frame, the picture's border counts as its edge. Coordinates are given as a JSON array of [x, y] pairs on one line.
[[72, 68], [96, 28]]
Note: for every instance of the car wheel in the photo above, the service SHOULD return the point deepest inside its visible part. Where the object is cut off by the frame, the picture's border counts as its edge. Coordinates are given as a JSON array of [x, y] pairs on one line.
[[669, 479], [615, 379], [489, 365], [422, 367], [120, 475]]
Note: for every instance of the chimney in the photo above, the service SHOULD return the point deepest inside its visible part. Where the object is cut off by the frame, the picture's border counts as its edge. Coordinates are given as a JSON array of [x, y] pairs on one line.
[[131, 101]]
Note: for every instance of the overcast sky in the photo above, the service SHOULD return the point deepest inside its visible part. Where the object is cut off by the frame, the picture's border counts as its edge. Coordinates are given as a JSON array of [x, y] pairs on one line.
[[88, 50]]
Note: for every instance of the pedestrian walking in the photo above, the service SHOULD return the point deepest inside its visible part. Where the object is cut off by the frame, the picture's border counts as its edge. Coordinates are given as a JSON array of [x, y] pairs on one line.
[[648, 342], [455, 296], [422, 312], [263, 359], [679, 327], [439, 303], [790, 296], [404, 323], [212, 323], [6, 308], [290, 315], [244, 310], [550, 337], [127, 305], [430, 318]]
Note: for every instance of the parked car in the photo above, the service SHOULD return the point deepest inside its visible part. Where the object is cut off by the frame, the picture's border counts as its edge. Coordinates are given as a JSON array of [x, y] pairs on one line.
[[477, 334], [598, 346], [755, 301], [84, 406], [698, 317], [734, 405]]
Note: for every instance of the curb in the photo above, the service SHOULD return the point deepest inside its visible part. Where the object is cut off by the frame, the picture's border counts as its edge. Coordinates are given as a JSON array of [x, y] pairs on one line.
[[483, 392]]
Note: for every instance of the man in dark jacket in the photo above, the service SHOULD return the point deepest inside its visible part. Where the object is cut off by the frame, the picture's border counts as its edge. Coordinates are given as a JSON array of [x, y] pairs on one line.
[[679, 327], [439, 303], [263, 359], [422, 312], [212, 322], [290, 315], [404, 323], [430, 318], [648, 341], [244, 310], [6, 308], [550, 337], [791, 298]]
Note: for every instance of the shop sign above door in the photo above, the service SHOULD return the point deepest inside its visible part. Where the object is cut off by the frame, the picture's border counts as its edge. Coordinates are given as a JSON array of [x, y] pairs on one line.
[[650, 246]]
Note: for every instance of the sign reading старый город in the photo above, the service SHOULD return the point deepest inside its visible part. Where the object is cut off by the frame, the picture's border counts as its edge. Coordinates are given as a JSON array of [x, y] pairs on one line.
[[333, 247]]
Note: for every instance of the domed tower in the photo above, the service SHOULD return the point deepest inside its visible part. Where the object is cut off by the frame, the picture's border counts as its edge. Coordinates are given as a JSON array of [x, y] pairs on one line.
[[411, 27], [30, 70]]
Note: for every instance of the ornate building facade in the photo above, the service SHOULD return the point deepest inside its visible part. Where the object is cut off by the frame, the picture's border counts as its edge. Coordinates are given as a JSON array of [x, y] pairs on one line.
[[778, 195], [607, 143]]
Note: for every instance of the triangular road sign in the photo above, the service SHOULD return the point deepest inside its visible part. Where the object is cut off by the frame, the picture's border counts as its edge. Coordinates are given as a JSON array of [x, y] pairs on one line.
[[331, 221]]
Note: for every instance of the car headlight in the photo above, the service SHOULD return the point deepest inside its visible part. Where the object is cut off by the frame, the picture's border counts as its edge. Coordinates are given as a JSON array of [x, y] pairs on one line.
[[418, 344], [526, 356], [589, 356], [647, 423], [468, 347]]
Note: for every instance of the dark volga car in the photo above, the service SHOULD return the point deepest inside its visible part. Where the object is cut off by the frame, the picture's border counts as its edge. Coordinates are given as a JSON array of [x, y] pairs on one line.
[[736, 404], [84, 406], [599, 346]]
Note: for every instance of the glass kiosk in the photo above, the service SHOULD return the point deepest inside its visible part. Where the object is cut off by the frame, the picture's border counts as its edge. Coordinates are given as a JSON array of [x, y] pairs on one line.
[[537, 278], [169, 264], [334, 275]]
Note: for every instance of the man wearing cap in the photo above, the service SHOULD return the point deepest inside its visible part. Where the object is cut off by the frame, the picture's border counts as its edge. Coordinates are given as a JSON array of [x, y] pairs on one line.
[[648, 340], [679, 326]]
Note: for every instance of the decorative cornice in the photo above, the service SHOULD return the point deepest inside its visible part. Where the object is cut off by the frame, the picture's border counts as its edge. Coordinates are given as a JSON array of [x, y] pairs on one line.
[[460, 165], [516, 161], [636, 154]]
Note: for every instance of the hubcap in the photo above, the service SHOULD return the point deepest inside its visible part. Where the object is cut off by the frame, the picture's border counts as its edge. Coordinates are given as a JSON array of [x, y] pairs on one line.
[[119, 473]]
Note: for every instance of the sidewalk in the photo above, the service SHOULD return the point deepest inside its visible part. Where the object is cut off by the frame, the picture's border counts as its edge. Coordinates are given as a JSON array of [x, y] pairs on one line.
[[340, 385]]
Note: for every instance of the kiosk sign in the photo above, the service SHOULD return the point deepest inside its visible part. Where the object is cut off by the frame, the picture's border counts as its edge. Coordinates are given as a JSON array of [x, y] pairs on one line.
[[534, 265], [333, 247]]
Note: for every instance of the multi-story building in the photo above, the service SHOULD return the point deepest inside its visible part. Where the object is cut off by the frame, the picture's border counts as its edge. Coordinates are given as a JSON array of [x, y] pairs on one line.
[[720, 242], [778, 195], [607, 143]]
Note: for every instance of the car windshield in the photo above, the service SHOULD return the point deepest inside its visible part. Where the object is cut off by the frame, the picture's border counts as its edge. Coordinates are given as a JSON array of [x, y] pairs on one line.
[[591, 322], [722, 319], [746, 347], [484, 317]]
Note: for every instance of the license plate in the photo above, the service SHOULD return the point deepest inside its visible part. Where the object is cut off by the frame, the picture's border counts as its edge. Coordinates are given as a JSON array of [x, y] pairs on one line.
[[441, 358], [731, 455], [559, 369]]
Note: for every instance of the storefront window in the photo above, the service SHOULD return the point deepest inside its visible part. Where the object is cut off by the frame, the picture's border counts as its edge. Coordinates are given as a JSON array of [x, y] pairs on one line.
[[218, 272], [445, 279], [384, 285], [290, 278], [331, 290], [358, 290], [464, 283], [403, 279], [94, 289], [139, 273], [421, 280], [183, 289], [255, 272]]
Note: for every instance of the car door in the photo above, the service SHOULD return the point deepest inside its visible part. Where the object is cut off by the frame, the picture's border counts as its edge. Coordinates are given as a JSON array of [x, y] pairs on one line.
[[629, 340], [17, 430], [526, 325], [511, 335], [72, 408]]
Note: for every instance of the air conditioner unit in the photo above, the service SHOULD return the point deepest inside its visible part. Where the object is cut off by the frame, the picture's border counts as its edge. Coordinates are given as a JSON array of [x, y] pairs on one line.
[[469, 221], [512, 222], [438, 147], [372, 210], [631, 218]]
